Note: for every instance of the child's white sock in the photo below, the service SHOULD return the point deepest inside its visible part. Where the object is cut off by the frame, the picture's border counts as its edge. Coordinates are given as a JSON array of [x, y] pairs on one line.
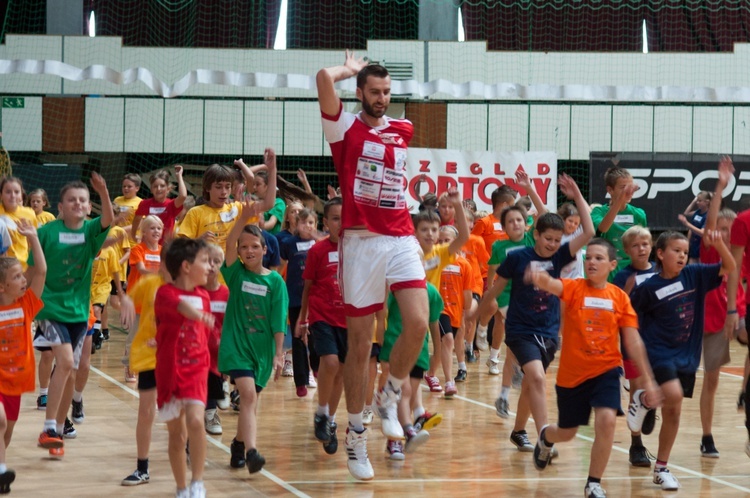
[[494, 353]]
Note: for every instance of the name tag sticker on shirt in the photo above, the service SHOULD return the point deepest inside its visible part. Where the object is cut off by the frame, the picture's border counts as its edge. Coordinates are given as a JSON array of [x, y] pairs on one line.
[[372, 149], [624, 218], [72, 238], [228, 216], [333, 257], [639, 279], [154, 258], [306, 245], [14, 314], [452, 269], [156, 210], [497, 226], [541, 265], [255, 289], [598, 303], [194, 301], [218, 306], [669, 290]]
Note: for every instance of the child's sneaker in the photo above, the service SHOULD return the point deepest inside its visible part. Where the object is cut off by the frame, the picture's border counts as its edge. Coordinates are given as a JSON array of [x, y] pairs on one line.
[[234, 400], [322, 428], [77, 413], [481, 339], [415, 439], [69, 430], [521, 440], [542, 452], [197, 489], [105, 334], [288, 369], [223, 403], [427, 421], [594, 490], [502, 407], [311, 382], [356, 451], [212, 422], [237, 454], [649, 422], [182, 493], [472, 356], [433, 383], [332, 446], [130, 375], [450, 389], [254, 461], [639, 456], [395, 450], [665, 479], [50, 439], [41, 402], [56, 453], [460, 376], [494, 366], [387, 404], [136, 478], [6, 479], [708, 448], [637, 411], [367, 416], [301, 391]]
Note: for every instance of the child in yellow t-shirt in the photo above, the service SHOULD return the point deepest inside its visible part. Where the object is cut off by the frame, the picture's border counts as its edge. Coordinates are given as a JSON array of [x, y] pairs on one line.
[[127, 204], [12, 212], [38, 201]]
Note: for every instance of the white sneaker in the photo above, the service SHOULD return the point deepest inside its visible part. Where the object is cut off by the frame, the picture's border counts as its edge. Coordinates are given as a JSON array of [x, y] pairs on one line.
[[182, 493], [213, 422], [502, 407], [494, 365], [288, 370], [665, 478], [637, 412], [387, 403], [223, 403], [481, 339], [594, 490], [311, 382], [415, 439], [197, 489], [356, 451], [367, 416]]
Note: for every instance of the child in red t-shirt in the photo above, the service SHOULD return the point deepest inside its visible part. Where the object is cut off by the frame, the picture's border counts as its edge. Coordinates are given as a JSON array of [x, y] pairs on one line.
[[218, 294], [159, 205], [19, 303], [183, 324]]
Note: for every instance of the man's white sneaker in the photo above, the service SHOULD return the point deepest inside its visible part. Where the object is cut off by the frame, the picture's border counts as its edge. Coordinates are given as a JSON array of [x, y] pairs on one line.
[[665, 478], [356, 452], [387, 403], [494, 365], [637, 411]]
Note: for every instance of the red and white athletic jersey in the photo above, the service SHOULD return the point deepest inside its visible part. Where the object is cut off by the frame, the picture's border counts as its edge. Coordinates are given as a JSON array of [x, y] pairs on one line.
[[371, 164]]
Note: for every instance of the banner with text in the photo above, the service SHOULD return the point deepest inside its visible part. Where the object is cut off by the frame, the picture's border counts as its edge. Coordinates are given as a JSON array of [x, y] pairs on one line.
[[668, 182], [477, 174]]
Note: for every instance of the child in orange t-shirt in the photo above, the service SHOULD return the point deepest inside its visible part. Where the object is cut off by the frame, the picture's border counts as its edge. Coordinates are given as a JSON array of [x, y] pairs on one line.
[[596, 315], [144, 257], [19, 304], [476, 254]]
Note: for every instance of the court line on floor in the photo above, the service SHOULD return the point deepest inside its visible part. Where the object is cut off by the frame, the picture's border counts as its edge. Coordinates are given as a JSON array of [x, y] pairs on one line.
[[268, 475], [499, 479]]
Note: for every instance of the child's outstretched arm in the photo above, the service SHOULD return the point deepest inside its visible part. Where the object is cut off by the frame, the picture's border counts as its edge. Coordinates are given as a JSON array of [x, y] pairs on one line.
[[100, 187], [182, 192], [569, 187], [249, 210], [637, 351], [326, 78], [460, 219], [726, 171], [191, 313], [39, 270], [697, 231], [269, 158], [486, 309], [522, 179]]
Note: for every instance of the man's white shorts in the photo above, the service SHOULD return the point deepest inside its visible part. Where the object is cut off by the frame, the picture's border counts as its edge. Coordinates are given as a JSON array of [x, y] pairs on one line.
[[370, 264]]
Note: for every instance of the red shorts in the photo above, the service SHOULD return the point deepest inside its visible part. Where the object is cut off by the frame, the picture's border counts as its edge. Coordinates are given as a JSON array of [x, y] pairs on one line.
[[12, 405], [631, 371]]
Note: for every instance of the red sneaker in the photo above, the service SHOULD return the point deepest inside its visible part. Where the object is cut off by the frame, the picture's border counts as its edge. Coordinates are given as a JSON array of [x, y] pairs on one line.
[[433, 383]]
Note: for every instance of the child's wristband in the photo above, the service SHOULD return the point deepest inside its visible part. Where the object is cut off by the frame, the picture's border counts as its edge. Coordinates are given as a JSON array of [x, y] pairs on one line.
[[731, 312]]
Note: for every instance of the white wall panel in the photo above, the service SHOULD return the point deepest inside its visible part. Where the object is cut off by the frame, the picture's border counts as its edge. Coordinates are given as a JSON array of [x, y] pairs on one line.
[[22, 128], [224, 127], [508, 127], [673, 129], [712, 129], [183, 122], [591, 130], [264, 126], [303, 132], [104, 126], [550, 129], [144, 125], [632, 128], [467, 127]]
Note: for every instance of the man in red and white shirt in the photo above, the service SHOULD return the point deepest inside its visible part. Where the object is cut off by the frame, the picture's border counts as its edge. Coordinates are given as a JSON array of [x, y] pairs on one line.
[[378, 248]]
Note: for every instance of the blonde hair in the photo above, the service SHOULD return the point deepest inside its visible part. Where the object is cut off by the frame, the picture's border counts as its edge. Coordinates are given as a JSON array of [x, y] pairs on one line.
[[6, 263], [450, 229], [636, 232], [215, 249], [726, 214], [150, 220]]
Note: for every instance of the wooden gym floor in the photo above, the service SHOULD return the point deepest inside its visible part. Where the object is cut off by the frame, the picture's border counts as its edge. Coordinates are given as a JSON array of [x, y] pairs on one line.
[[468, 454]]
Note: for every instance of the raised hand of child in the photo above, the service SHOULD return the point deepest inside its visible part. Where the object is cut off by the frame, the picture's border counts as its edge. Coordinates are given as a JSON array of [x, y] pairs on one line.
[[522, 179], [25, 228], [178, 170], [454, 196], [711, 237], [333, 193], [98, 184], [568, 186], [301, 175], [250, 209], [269, 158], [726, 171]]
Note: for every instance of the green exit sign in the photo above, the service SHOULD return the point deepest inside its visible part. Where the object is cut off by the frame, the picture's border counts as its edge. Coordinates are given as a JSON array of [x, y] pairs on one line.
[[14, 102]]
